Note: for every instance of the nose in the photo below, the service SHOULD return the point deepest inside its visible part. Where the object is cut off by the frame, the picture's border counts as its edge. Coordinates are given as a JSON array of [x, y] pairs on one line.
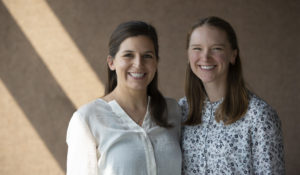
[[205, 55], [138, 60]]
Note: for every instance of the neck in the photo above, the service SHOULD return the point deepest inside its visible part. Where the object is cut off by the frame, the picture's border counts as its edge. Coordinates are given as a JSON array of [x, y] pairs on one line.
[[132, 99], [215, 92], [133, 102]]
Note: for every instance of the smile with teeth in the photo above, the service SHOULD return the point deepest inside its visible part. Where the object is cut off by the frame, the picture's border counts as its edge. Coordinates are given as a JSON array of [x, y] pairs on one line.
[[137, 75], [207, 67]]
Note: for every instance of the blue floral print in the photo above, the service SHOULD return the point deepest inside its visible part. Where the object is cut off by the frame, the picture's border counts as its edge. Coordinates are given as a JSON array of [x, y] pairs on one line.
[[251, 145]]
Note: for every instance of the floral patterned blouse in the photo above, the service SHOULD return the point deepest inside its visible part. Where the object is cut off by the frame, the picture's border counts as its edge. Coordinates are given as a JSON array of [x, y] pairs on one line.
[[251, 145]]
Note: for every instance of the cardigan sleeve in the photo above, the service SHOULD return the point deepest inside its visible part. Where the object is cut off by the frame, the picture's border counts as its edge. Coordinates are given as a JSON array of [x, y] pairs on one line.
[[267, 148], [82, 152]]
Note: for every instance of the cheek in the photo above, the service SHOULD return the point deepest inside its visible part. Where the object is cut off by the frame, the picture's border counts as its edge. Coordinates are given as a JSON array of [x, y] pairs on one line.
[[152, 66], [121, 64], [193, 57], [222, 58]]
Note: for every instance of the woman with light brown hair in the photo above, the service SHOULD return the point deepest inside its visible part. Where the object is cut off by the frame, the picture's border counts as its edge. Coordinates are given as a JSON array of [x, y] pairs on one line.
[[227, 129]]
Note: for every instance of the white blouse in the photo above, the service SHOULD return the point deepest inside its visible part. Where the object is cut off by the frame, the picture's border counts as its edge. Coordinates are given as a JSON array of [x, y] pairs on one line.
[[103, 139]]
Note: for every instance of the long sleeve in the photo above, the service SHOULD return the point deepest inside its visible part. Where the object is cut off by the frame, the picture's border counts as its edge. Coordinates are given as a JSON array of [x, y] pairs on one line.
[[82, 153], [267, 148]]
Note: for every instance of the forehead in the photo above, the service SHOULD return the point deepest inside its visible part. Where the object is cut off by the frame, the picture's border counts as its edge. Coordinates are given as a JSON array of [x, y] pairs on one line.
[[141, 43], [208, 34]]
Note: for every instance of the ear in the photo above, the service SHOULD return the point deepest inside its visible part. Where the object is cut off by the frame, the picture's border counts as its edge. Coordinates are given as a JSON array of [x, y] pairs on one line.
[[233, 56], [110, 62]]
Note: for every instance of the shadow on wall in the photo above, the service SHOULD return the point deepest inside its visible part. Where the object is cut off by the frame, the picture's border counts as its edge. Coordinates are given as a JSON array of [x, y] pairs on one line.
[[34, 88], [88, 24]]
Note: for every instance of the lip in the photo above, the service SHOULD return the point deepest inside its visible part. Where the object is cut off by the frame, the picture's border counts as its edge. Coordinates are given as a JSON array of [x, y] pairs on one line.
[[137, 75], [207, 67]]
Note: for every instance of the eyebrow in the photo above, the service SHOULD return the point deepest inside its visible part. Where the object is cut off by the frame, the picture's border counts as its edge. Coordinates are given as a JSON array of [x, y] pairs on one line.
[[130, 51], [219, 45], [212, 45], [195, 45], [149, 51]]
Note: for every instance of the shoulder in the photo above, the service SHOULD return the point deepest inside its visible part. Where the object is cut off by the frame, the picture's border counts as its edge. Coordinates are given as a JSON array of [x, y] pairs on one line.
[[261, 112], [174, 110], [258, 106], [171, 102], [184, 107], [92, 109], [183, 102]]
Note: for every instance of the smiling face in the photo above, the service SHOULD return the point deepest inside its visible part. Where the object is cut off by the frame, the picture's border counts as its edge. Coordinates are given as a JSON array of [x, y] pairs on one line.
[[210, 54], [135, 63]]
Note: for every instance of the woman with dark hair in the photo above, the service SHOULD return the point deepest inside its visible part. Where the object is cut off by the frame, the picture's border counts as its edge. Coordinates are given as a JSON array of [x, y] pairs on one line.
[[133, 129], [227, 129]]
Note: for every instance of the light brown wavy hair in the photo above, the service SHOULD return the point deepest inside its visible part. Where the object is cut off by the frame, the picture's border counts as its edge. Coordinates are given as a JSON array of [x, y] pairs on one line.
[[235, 102]]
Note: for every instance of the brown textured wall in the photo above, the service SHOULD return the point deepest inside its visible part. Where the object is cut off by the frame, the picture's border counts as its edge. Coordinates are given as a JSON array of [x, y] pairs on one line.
[[51, 64]]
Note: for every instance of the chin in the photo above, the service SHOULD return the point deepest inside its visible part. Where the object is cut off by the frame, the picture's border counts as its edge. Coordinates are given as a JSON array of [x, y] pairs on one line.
[[139, 88], [206, 80]]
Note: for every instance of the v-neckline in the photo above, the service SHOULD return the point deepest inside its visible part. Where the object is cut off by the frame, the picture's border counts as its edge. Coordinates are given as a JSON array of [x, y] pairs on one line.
[[117, 109]]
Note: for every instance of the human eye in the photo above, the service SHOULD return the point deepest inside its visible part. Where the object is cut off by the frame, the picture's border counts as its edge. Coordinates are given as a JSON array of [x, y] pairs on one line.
[[147, 56], [217, 49], [128, 55], [197, 48]]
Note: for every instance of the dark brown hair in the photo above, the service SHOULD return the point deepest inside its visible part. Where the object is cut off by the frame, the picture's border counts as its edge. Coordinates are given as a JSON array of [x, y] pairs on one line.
[[235, 102], [158, 106]]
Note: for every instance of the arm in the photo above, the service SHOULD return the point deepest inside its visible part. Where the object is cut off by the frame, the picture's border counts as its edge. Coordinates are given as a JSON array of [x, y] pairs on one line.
[[267, 148], [82, 153]]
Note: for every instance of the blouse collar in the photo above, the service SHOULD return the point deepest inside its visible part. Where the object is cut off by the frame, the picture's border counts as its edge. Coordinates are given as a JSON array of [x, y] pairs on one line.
[[119, 111]]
